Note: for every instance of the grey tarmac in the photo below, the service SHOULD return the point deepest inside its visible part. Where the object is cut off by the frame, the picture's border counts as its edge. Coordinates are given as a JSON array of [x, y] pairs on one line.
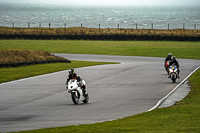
[[116, 91]]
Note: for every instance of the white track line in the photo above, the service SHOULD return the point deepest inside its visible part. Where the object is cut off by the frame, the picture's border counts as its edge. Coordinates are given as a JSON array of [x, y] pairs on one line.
[[164, 98]]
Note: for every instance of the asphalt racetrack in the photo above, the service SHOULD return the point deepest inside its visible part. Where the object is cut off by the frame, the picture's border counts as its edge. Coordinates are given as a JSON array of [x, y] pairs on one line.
[[116, 91]]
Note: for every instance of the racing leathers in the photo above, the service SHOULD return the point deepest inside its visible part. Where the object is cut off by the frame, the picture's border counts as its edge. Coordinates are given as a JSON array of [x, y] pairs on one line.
[[78, 78], [167, 59]]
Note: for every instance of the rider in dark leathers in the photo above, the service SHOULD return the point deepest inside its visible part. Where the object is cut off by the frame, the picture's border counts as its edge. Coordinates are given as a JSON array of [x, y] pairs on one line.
[[175, 62], [167, 58], [73, 75]]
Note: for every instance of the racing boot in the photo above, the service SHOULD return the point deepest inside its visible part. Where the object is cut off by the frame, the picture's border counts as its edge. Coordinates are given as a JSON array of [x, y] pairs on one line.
[[84, 90], [178, 73]]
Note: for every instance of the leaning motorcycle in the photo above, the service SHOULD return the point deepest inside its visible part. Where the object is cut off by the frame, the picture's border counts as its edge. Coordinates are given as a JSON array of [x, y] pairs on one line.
[[76, 92], [167, 66], [173, 73]]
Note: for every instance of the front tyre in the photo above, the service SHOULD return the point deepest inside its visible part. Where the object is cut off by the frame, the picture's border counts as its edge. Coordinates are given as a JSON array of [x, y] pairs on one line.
[[75, 98], [173, 78]]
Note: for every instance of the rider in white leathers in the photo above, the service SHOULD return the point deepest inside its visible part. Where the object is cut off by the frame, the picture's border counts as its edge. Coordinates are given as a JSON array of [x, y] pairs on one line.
[[73, 75]]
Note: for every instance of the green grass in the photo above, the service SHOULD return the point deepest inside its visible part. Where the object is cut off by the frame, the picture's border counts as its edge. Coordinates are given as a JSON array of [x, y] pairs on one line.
[[188, 50], [10, 74], [182, 117]]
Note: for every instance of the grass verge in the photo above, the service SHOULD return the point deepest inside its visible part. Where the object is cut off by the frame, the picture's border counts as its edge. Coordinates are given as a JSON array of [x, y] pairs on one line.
[[182, 117], [188, 50], [10, 74]]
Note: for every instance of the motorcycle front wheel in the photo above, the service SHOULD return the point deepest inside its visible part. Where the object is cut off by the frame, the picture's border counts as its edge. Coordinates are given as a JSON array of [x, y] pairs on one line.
[[173, 78], [75, 98]]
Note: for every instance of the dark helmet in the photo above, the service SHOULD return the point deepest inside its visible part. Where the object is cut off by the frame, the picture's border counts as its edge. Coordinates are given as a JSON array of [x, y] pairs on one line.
[[71, 71], [173, 58], [170, 54]]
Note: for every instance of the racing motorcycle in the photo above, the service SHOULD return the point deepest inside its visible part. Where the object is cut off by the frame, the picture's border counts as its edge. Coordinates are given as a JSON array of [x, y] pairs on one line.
[[173, 73], [76, 92], [167, 66]]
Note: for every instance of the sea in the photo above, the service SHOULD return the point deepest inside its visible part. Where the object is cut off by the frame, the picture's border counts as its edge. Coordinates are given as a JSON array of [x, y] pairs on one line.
[[141, 17]]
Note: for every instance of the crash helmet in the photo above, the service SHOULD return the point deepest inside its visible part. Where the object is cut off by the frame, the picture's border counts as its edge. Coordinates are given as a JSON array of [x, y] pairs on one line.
[[170, 55], [71, 71], [173, 58]]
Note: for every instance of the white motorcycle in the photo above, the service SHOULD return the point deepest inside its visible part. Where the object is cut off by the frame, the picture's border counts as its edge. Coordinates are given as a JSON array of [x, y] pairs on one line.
[[76, 92], [173, 73]]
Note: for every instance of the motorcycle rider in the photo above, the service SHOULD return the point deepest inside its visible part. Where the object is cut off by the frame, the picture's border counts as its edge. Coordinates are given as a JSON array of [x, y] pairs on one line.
[[168, 58], [175, 62], [73, 75]]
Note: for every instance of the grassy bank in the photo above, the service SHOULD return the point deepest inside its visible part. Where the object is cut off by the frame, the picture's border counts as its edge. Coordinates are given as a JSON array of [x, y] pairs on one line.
[[182, 117], [189, 50], [14, 56]]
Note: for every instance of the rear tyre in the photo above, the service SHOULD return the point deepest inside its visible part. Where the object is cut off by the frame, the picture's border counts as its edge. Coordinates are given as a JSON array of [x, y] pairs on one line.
[[167, 70]]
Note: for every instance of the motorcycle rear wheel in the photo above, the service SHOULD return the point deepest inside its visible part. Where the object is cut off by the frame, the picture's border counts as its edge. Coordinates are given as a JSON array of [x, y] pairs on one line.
[[167, 70]]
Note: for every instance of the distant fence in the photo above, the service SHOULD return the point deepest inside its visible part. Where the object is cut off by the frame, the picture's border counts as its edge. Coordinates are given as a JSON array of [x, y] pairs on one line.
[[99, 37], [102, 37], [118, 26]]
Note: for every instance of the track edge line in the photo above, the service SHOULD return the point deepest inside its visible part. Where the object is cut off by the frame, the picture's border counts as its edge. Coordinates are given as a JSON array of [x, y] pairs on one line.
[[164, 98]]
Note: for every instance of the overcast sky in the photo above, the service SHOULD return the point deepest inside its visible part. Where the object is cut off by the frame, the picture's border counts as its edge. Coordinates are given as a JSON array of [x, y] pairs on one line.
[[108, 2]]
